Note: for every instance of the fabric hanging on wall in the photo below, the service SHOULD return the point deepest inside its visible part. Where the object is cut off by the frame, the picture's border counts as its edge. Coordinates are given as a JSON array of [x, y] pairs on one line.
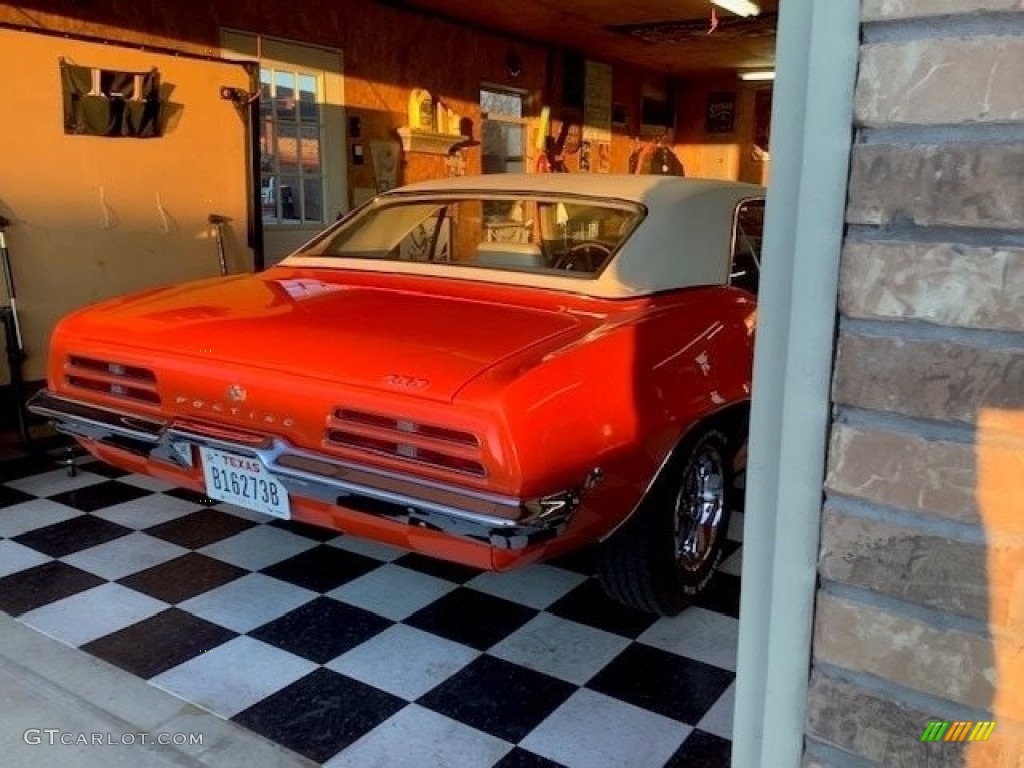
[[104, 102]]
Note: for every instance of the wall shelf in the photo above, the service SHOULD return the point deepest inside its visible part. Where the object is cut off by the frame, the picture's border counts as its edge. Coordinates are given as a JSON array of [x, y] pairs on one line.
[[427, 141]]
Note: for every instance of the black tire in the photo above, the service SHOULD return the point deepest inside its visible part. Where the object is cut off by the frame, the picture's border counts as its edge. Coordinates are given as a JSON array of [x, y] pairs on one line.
[[665, 555]]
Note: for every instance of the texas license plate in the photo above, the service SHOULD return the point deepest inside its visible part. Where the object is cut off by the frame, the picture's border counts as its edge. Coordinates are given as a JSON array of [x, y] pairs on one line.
[[245, 482]]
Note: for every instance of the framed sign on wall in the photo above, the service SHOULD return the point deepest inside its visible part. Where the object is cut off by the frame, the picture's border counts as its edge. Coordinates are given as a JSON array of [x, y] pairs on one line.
[[721, 112]]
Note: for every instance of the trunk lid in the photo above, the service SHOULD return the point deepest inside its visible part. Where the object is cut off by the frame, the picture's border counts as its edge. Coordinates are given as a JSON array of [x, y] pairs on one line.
[[380, 336]]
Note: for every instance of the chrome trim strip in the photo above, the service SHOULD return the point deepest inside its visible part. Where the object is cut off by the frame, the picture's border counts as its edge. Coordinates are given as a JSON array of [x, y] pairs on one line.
[[277, 448], [343, 487], [510, 522], [96, 417]]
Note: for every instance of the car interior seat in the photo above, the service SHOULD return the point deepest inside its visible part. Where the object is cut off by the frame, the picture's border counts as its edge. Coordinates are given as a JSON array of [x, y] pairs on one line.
[[510, 255]]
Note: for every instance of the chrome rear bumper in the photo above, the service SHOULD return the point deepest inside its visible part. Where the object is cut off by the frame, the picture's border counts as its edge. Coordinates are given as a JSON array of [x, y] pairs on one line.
[[504, 522]]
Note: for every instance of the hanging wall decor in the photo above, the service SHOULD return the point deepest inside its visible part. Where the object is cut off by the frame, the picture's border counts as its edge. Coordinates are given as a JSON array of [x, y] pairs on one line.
[[721, 113], [112, 103]]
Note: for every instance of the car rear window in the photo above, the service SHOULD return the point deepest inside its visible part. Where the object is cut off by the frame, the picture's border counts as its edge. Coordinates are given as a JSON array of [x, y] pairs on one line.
[[528, 234]]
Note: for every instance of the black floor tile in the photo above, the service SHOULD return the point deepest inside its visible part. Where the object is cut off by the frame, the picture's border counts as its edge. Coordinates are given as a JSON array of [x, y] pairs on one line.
[[322, 568], [320, 714], [158, 643], [315, 532], [521, 758], [322, 629], [500, 698], [41, 585], [22, 466], [582, 561], [729, 548], [441, 569], [722, 594], [11, 496], [675, 686], [183, 577], [200, 528], [588, 604], [103, 469], [471, 618], [187, 494], [72, 535], [702, 750], [105, 494]]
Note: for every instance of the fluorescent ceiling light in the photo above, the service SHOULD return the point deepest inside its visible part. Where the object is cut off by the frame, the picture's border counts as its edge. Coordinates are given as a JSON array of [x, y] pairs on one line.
[[765, 74], [739, 7]]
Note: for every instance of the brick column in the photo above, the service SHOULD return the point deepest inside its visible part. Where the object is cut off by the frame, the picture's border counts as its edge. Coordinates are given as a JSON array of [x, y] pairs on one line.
[[920, 611]]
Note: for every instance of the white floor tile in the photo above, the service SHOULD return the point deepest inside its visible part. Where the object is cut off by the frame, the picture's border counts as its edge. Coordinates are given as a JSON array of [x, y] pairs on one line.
[[560, 648], [381, 552], [147, 511], [698, 634], [404, 661], [733, 564], [14, 557], [27, 516], [392, 591], [126, 555], [94, 613], [591, 730], [248, 602], [418, 738], [718, 719], [258, 547], [735, 532], [233, 676], [537, 586], [56, 481]]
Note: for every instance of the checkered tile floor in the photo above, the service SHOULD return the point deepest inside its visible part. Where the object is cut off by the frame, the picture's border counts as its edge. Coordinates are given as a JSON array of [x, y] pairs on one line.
[[356, 655]]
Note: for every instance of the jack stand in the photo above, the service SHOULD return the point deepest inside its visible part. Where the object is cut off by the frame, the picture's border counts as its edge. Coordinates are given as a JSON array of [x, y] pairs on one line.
[[68, 461]]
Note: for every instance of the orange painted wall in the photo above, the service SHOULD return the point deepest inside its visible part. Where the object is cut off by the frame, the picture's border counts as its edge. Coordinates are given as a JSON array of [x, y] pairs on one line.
[[96, 217], [731, 155], [387, 52]]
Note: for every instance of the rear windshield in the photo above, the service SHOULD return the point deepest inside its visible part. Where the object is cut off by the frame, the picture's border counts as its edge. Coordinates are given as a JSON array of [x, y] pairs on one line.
[[525, 234]]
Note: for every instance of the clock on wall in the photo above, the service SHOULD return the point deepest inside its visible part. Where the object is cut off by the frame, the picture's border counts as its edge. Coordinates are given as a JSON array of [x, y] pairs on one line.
[[513, 63]]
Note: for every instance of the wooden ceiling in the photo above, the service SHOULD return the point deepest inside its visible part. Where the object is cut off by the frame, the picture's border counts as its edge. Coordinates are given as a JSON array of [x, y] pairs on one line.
[[669, 36]]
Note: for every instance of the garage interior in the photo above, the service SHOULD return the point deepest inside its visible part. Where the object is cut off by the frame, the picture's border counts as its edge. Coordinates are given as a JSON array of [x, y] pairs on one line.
[[343, 652]]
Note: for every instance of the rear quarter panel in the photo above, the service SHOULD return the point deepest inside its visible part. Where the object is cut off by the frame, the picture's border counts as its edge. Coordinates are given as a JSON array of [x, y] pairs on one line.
[[622, 397]]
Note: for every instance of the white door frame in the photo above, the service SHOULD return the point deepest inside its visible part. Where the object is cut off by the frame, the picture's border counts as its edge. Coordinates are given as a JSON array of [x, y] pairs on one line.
[[812, 119], [281, 239]]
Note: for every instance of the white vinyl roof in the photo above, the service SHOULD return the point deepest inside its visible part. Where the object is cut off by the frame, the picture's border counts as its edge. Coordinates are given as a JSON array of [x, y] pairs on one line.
[[684, 240]]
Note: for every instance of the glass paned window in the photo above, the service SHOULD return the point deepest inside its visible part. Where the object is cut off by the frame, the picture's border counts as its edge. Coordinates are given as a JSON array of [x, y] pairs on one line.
[[504, 103], [291, 160], [308, 108], [504, 131]]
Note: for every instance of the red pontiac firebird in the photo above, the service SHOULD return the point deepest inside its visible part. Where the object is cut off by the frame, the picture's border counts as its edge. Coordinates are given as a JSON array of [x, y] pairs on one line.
[[491, 370]]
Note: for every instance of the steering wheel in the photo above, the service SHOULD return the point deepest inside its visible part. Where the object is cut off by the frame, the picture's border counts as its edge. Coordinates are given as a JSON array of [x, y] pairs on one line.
[[584, 256]]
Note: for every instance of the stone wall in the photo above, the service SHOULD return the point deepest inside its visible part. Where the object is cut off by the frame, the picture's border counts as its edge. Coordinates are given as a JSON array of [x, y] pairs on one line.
[[920, 612]]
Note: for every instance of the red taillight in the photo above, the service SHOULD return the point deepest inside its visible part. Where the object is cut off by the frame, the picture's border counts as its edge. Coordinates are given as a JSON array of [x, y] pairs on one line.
[[130, 382], [405, 426], [444, 448]]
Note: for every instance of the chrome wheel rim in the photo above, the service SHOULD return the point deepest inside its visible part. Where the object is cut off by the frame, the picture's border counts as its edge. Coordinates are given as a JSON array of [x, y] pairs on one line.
[[699, 509]]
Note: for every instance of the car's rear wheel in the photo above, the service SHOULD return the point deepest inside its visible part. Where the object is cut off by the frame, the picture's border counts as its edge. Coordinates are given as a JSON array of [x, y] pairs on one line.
[[668, 551]]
